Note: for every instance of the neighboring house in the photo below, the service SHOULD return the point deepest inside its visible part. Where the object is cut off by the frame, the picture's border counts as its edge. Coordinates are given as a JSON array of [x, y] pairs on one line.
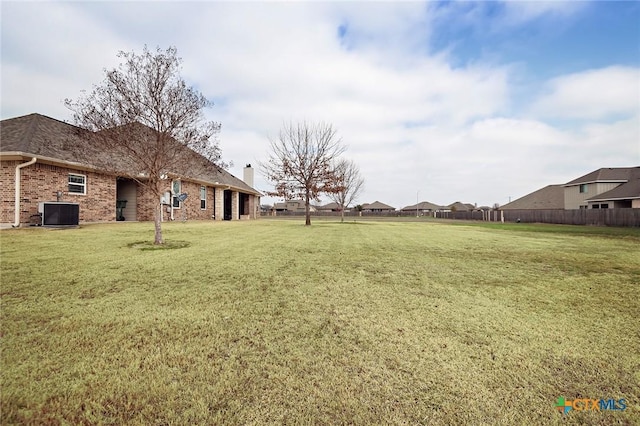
[[331, 207], [460, 207], [295, 206], [606, 188], [44, 160], [423, 207], [551, 197], [377, 207], [613, 187]]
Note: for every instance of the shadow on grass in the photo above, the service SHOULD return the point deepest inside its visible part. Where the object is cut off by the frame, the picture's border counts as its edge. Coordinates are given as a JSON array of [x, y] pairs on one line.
[[168, 245]]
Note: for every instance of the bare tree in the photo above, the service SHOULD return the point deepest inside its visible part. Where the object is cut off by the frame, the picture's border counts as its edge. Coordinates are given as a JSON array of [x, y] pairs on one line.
[[349, 183], [300, 162], [149, 122]]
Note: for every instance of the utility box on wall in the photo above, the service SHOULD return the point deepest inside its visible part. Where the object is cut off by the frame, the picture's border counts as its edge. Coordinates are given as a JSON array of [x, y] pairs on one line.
[[59, 213]]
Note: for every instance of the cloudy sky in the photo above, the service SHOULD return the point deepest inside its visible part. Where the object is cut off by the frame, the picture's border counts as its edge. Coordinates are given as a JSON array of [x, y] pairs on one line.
[[476, 102]]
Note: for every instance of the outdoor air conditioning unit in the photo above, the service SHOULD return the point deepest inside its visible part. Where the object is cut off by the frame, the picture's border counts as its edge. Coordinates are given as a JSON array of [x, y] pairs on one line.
[[59, 213]]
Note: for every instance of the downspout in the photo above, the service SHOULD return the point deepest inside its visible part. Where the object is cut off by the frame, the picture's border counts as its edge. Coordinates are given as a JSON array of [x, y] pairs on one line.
[[16, 222]]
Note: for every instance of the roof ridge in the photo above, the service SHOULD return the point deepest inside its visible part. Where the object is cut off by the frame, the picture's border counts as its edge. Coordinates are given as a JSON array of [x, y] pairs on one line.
[[27, 136], [25, 131]]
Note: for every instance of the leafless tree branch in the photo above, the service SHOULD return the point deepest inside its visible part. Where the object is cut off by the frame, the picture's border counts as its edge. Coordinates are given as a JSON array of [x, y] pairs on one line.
[[299, 164], [148, 123]]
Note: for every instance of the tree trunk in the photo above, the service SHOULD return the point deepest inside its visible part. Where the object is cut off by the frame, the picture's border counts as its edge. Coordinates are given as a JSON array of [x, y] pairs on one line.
[[307, 210], [158, 224], [341, 213]]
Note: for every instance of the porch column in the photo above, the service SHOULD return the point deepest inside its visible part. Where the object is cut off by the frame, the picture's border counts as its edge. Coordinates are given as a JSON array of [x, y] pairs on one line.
[[235, 205], [255, 206], [251, 205], [219, 197]]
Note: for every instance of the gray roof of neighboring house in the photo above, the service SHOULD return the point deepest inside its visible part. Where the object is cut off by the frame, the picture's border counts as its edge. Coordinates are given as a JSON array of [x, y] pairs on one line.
[[626, 191], [548, 198], [461, 207], [294, 205], [606, 174], [377, 205], [423, 205], [330, 206], [51, 139]]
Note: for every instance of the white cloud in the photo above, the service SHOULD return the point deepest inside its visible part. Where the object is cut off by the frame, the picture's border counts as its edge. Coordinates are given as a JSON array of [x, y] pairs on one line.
[[51, 55], [412, 121], [592, 95], [520, 12]]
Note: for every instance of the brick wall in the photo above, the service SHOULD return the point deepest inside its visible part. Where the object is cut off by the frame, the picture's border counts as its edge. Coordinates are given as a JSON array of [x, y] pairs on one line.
[[40, 182], [191, 206]]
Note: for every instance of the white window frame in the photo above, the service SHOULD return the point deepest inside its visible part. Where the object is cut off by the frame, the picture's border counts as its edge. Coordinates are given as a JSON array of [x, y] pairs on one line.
[[175, 203], [203, 197], [82, 185]]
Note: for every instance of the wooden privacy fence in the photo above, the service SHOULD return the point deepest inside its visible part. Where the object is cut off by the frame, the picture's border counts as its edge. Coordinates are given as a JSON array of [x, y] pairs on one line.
[[602, 217]]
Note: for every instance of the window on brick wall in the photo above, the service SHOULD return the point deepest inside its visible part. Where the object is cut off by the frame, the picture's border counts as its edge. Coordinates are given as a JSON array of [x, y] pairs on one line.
[[176, 187], [77, 184], [203, 197]]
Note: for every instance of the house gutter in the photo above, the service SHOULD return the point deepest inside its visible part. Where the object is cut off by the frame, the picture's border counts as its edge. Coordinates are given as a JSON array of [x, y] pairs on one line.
[[16, 222]]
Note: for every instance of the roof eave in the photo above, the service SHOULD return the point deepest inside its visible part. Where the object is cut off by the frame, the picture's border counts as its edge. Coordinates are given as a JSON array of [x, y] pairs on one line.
[[634, 197], [18, 155], [596, 181]]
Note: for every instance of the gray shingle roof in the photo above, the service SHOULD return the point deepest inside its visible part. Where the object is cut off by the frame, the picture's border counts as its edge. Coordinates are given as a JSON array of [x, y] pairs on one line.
[[423, 205], [330, 206], [606, 174], [626, 191], [41, 136], [377, 205], [548, 198], [461, 207]]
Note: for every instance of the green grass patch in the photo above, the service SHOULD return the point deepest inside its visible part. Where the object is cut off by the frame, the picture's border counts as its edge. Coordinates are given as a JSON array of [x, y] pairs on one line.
[[272, 322]]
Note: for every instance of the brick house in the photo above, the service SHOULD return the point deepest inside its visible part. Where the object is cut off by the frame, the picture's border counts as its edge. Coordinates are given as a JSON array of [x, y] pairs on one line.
[[40, 162]]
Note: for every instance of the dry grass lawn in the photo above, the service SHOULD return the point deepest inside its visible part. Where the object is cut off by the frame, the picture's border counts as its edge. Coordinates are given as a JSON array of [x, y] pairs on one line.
[[271, 322]]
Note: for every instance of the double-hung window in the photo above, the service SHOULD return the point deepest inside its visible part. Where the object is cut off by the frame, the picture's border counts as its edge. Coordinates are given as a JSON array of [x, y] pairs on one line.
[[77, 184], [203, 197], [583, 188], [176, 188]]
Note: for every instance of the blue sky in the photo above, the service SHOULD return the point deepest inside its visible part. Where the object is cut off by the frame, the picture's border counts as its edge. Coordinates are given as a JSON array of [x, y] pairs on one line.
[[594, 35], [476, 102]]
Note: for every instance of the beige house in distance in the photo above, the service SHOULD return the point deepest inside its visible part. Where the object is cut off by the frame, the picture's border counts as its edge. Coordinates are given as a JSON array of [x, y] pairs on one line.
[[292, 206], [605, 188], [610, 188]]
